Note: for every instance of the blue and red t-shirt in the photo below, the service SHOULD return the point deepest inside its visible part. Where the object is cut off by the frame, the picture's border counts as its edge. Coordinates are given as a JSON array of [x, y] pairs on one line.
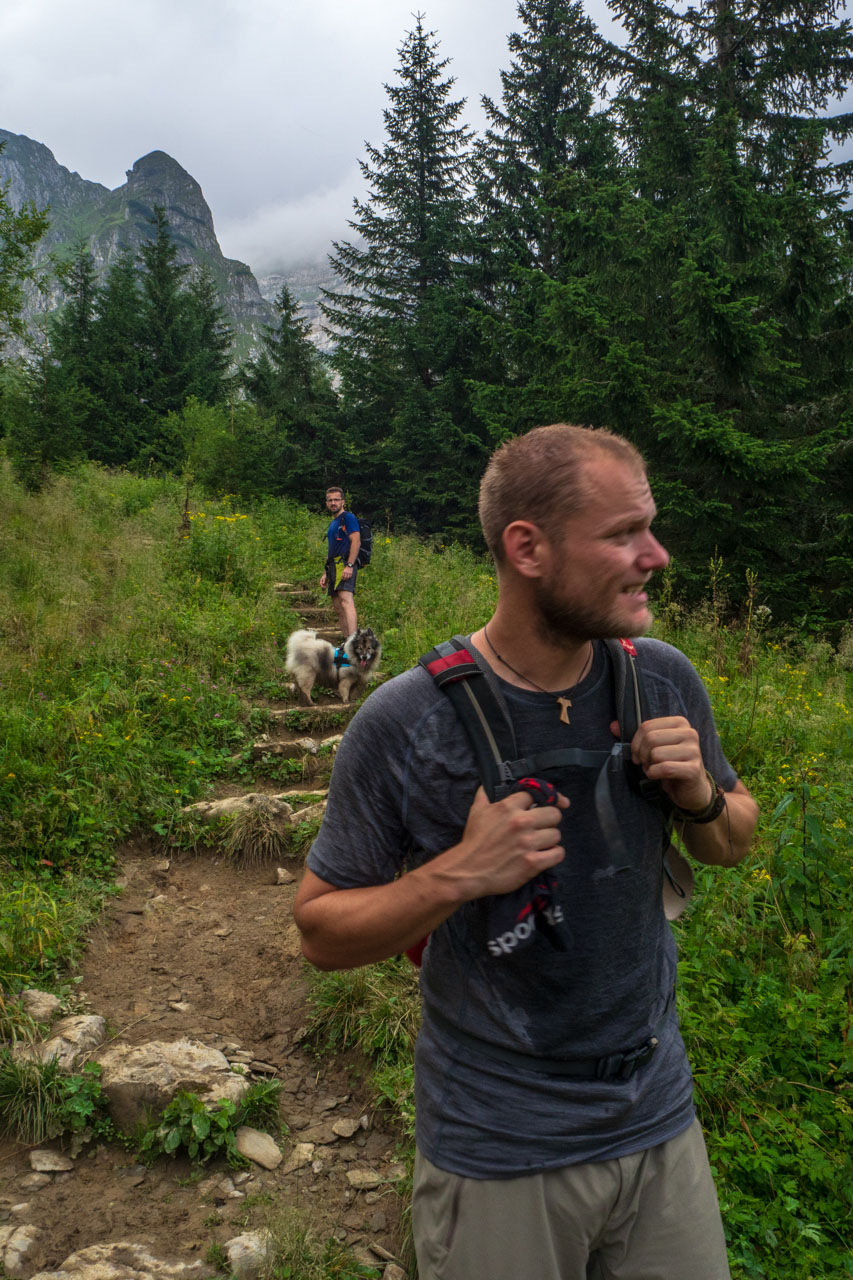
[[339, 532]]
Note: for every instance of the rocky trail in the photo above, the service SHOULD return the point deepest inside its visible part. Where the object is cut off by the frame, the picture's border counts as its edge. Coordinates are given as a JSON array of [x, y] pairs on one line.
[[195, 949]]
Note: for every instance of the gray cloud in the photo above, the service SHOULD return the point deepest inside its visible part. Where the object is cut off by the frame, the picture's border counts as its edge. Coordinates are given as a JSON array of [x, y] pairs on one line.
[[267, 103]]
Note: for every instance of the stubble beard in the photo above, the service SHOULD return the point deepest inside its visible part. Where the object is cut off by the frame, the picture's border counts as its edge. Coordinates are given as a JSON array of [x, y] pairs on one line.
[[564, 625]]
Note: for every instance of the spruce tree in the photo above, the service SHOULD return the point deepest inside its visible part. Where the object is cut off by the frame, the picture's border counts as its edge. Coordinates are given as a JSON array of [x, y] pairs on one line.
[[45, 414], [701, 305], [405, 337], [726, 116], [210, 340], [71, 342], [550, 150], [166, 323], [117, 351], [545, 127], [289, 384]]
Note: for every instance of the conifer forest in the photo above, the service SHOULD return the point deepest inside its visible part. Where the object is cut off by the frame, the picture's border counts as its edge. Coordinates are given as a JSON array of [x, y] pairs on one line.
[[654, 236]]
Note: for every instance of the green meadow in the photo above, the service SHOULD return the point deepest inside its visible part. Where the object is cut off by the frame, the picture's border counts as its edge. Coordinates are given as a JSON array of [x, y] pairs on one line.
[[140, 633]]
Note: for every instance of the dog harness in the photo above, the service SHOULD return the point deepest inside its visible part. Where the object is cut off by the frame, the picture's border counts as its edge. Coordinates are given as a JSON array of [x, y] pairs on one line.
[[340, 659]]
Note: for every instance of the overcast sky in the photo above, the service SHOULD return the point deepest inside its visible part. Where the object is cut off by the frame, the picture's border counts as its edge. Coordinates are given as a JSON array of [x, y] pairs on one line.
[[267, 103]]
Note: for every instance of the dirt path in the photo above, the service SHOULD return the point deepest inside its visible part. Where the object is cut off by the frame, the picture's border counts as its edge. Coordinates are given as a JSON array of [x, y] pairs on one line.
[[195, 948]]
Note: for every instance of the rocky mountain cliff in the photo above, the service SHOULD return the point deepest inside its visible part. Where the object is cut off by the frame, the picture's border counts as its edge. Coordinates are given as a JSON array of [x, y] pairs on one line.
[[109, 221]]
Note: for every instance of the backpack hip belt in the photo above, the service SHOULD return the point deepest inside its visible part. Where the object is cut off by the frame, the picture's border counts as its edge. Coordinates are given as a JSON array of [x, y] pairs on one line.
[[615, 1066]]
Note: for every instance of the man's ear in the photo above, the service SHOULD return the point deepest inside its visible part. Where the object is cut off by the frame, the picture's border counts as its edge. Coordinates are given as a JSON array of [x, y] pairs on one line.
[[526, 548]]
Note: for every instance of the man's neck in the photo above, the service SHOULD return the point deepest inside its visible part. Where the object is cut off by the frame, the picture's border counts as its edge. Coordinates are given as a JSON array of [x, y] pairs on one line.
[[524, 658]]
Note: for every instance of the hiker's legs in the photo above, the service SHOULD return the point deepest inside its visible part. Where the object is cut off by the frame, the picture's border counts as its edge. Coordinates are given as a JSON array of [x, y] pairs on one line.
[[345, 609], [649, 1216], [666, 1223]]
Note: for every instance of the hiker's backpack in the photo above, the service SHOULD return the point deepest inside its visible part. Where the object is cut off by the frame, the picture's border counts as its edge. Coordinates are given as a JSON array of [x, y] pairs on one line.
[[477, 699], [365, 551]]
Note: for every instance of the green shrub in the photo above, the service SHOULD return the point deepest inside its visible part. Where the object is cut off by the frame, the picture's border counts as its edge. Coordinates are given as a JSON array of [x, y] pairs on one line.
[[38, 1101], [207, 1131]]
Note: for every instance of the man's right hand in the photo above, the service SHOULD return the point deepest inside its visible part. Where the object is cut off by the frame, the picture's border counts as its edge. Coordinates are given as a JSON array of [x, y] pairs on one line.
[[323, 581], [503, 846]]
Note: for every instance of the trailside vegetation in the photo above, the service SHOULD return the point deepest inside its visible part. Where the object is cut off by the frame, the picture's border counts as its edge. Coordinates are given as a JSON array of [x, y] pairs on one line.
[[142, 628]]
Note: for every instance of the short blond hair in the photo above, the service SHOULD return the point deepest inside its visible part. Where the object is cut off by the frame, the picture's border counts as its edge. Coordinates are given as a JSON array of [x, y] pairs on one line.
[[539, 477]]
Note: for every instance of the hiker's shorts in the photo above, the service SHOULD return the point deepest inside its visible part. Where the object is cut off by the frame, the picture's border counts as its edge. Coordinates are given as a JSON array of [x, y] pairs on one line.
[[649, 1216], [332, 572]]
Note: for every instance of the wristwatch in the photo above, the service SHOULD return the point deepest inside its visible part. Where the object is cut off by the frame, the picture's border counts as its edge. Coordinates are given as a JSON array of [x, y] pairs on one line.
[[712, 810]]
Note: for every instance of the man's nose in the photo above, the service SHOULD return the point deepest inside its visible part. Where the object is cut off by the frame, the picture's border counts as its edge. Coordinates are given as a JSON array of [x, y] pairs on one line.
[[653, 555]]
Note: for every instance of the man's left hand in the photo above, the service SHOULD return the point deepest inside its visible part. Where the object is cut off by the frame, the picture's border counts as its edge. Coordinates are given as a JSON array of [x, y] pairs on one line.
[[668, 751]]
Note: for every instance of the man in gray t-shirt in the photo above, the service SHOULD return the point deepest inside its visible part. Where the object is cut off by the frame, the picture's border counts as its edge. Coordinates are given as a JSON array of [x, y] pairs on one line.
[[538, 1152]]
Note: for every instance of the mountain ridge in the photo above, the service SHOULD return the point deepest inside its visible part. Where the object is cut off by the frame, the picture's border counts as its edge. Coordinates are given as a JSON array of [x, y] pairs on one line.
[[109, 221]]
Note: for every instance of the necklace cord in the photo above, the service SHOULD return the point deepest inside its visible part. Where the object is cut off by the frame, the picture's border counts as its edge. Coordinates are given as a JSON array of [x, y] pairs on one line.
[[522, 676]]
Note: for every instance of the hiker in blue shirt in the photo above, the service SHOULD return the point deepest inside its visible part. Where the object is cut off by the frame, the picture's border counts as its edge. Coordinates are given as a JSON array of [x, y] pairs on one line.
[[340, 573]]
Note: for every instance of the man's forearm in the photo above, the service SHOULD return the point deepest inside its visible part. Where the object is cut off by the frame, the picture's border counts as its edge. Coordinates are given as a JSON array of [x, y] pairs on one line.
[[502, 847], [345, 928], [726, 840]]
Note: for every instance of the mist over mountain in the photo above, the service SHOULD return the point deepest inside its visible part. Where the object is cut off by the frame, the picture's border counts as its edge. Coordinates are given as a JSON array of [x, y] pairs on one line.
[[109, 222]]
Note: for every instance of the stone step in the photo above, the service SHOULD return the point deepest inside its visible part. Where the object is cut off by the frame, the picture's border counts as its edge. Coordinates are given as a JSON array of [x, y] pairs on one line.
[[297, 749], [312, 614], [318, 716]]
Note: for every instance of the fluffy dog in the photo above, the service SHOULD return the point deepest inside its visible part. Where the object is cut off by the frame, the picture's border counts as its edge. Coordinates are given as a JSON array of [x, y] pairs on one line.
[[311, 661]]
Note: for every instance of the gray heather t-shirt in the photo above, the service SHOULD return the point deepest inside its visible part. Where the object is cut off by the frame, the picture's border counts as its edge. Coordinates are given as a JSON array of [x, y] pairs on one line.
[[401, 788]]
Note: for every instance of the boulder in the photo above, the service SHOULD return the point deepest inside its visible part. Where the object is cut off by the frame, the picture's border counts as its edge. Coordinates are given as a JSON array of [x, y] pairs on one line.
[[21, 1249], [71, 1041], [123, 1261], [140, 1080], [41, 1006]]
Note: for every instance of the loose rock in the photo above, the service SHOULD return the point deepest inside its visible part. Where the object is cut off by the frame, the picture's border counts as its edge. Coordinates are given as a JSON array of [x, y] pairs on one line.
[[21, 1249], [247, 1254], [364, 1179], [301, 1155], [41, 1006], [47, 1161], [71, 1040], [258, 1147], [122, 1261]]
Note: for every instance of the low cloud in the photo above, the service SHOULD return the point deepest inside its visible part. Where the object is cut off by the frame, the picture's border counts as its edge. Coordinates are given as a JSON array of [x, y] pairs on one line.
[[279, 236]]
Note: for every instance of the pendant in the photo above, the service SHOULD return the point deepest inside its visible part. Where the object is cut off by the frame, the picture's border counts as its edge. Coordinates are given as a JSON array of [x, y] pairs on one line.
[[564, 704]]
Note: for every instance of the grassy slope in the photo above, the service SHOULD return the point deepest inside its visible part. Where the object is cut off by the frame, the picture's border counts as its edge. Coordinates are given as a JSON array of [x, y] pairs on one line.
[[130, 653]]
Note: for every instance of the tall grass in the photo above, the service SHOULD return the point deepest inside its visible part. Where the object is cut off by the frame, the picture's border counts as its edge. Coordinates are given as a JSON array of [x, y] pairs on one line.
[[133, 646]]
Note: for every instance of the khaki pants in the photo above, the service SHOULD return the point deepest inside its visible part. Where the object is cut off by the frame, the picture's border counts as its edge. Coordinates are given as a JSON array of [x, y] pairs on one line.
[[649, 1216]]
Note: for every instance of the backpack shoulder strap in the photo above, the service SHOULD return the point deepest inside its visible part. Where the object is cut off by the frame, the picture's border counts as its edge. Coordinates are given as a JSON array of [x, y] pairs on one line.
[[456, 671], [627, 687], [631, 711]]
